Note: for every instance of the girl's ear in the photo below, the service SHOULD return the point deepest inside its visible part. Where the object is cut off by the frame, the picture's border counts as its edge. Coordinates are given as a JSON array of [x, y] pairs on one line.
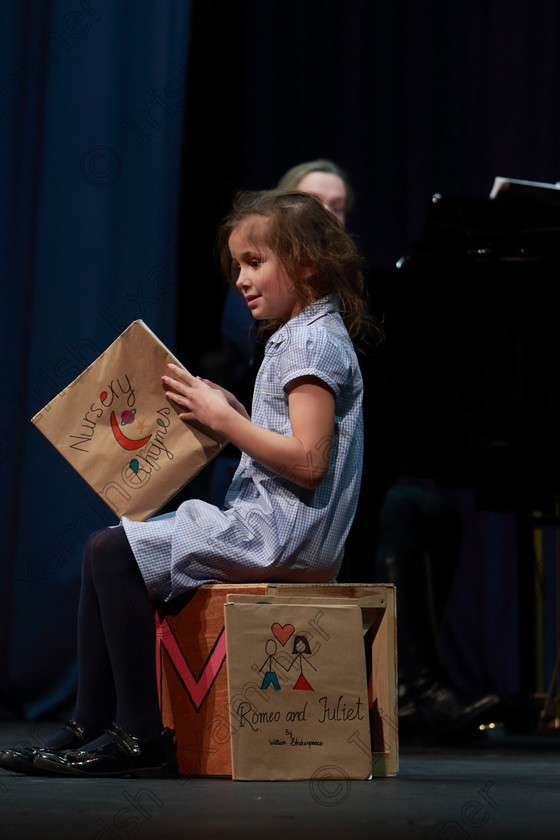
[[308, 270]]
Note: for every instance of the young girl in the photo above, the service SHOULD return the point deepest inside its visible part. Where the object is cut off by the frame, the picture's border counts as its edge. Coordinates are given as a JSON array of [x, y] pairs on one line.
[[289, 507]]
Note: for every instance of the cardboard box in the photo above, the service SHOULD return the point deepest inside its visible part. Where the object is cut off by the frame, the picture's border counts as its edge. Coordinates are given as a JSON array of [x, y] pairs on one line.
[[193, 681]]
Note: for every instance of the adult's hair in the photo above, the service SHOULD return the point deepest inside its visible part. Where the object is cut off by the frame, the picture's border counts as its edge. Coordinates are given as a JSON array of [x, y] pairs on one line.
[[290, 179], [319, 256]]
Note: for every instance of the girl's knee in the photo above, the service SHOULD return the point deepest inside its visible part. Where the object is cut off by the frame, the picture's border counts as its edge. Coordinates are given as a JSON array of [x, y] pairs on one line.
[[96, 540], [109, 548], [104, 542]]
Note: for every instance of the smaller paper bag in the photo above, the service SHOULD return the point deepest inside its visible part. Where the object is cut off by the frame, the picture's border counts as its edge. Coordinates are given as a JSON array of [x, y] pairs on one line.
[[298, 706], [116, 427]]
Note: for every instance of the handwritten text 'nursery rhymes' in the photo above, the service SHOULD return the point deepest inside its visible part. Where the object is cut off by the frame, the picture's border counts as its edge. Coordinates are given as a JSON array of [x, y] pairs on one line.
[[108, 397]]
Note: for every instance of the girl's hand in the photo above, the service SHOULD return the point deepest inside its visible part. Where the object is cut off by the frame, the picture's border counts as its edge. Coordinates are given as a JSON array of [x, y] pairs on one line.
[[201, 400], [231, 398]]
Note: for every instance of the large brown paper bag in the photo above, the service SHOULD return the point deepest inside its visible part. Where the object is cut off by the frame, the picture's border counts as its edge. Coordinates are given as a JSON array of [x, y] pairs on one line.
[[298, 710], [115, 426]]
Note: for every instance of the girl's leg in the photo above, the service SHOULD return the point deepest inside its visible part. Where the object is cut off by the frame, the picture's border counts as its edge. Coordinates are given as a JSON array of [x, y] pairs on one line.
[[116, 641], [127, 618], [95, 706], [117, 674], [96, 700]]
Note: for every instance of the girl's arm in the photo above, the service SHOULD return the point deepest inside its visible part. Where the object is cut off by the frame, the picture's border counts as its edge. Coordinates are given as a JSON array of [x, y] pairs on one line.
[[302, 457]]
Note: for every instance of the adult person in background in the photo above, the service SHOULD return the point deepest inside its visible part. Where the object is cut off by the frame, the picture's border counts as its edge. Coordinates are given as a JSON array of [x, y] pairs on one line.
[[419, 536], [324, 179]]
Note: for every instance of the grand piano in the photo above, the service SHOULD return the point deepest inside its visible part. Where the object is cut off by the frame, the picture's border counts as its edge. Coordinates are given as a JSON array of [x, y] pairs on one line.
[[471, 366], [466, 389]]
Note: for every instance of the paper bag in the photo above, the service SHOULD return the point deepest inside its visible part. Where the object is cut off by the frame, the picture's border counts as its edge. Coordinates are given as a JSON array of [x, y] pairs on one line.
[[115, 426], [298, 707]]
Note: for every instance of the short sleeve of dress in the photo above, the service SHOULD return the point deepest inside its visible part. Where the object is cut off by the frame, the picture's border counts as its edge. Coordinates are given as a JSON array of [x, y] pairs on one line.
[[312, 351]]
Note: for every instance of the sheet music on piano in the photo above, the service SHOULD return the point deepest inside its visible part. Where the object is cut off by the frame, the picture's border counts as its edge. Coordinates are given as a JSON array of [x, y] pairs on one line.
[[520, 188]]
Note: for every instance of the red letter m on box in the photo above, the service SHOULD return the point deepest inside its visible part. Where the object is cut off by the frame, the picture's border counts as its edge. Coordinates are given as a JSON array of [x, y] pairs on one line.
[[199, 687]]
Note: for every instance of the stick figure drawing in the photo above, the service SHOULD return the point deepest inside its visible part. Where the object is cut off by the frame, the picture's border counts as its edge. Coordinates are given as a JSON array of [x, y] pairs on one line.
[[301, 651], [270, 677]]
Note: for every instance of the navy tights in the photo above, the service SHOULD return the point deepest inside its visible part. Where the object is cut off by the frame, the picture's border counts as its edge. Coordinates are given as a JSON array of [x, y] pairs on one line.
[[116, 640]]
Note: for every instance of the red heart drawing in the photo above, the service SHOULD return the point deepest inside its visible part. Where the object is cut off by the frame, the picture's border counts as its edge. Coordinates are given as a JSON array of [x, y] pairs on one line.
[[282, 633]]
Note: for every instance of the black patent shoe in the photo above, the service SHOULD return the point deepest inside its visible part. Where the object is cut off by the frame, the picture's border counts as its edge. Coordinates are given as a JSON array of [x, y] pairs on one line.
[[125, 755], [437, 709], [446, 710], [20, 759]]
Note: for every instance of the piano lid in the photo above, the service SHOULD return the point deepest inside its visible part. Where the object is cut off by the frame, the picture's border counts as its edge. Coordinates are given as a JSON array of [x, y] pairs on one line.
[[521, 221]]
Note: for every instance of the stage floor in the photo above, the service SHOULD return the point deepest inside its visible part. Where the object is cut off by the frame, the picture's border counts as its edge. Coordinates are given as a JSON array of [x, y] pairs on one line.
[[506, 786]]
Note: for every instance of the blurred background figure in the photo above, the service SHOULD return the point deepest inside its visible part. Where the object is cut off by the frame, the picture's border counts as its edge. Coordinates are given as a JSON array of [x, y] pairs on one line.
[[324, 179], [418, 543]]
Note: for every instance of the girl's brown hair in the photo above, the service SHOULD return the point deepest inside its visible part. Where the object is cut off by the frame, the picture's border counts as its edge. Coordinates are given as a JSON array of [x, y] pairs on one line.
[[304, 234]]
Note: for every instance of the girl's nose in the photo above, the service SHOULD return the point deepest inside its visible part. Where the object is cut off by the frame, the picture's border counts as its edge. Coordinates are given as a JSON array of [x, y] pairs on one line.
[[241, 280]]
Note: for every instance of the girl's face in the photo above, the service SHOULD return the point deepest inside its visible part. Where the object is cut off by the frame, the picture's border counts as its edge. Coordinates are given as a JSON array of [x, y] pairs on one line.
[[261, 277]]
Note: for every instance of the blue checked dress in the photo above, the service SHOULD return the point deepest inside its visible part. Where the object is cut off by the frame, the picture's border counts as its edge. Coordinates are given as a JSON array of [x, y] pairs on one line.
[[270, 529]]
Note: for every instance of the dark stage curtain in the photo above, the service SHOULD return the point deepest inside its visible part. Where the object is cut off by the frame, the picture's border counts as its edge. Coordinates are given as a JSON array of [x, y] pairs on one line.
[[91, 120]]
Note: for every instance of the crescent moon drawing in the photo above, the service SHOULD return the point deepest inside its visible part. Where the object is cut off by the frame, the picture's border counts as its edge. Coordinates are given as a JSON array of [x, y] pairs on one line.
[[122, 440]]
